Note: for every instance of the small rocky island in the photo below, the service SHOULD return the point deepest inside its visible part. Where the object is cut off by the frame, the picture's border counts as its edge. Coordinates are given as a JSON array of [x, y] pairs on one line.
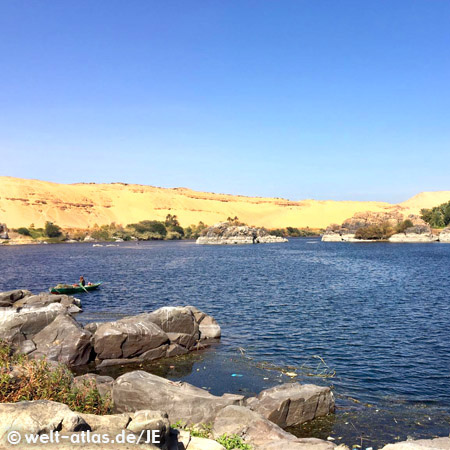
[[225, 233], [384, 226]]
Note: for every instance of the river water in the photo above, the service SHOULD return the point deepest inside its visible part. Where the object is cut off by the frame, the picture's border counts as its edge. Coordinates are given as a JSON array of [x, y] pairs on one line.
[[370, 320]]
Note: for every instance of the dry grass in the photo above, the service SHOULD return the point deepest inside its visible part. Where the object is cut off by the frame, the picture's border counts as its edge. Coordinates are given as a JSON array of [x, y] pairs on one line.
[[23, 378]]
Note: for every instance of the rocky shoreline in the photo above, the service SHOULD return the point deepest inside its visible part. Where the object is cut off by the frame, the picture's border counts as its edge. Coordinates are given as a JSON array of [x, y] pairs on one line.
[[387, 227], [42, 326], [226, 234]]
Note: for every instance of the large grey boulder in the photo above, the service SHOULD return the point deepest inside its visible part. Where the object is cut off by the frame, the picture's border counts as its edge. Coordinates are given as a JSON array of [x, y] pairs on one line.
[[442, 443], [138, 390], [8, 298], [127, 338], [293, 403], [19, 325], [64, 340], [168, 331]]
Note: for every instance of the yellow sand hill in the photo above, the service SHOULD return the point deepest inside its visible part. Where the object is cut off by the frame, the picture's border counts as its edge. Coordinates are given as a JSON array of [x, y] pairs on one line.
[[23, 202]]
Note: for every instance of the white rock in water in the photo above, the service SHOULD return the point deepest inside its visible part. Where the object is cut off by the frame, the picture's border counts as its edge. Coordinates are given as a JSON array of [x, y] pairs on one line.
[[413, 237]]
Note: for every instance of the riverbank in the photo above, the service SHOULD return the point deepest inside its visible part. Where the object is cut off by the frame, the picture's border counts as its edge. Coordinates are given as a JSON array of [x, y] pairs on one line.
[[283, 305], [144, 231], [37, 330], [240, 420]]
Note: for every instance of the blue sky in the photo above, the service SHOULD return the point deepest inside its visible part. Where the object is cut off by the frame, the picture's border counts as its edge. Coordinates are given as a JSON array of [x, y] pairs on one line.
[[297, 99]]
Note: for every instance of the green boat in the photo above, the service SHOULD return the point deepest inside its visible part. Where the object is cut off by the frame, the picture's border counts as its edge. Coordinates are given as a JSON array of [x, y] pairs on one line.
[[73, 288]]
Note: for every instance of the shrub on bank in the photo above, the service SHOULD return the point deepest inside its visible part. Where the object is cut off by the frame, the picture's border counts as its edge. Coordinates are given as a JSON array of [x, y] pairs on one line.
[[403, 226], [147, 230], [295, 232], [52, 230], [437, 217], [26, 379], [24, 231], [194, 231], [375, 232], [382, 231]]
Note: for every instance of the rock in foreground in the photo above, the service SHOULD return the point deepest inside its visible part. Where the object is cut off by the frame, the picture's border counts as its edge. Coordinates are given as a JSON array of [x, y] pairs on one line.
[[43, 417], [223, 233], [292, 404], [42, 325], [168, 331], [421, 444], [182, 401]]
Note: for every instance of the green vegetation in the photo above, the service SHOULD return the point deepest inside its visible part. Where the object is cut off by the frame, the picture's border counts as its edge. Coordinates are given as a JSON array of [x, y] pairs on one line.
[[194, 231], [295, 232], [235, 221], [52, 230], [437, 217], [22, 378], [233, 442], [24, 231], [145, 230], [382, 231], [403, 226]]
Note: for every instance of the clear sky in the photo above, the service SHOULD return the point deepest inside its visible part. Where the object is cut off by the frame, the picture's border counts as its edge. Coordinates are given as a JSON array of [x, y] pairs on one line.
[[297, 99]]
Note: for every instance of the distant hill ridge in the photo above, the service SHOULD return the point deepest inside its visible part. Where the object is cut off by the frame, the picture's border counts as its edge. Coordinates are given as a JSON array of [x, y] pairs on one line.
[[24, 201]]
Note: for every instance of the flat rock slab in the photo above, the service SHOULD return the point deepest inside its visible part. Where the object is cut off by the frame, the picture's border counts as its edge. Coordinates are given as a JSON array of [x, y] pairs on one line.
[[421, 444], [139, 390], [299, 444]]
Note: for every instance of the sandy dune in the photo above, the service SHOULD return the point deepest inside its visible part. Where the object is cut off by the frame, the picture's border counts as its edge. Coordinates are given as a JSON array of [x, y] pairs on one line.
[[23, 202]]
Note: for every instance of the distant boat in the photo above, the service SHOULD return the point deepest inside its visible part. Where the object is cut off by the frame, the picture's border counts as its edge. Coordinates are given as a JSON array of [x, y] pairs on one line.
[[73, 288]]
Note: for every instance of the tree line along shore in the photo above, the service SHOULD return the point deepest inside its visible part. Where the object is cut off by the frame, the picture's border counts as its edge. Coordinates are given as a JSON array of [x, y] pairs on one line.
[[146, 230], [362, 226]]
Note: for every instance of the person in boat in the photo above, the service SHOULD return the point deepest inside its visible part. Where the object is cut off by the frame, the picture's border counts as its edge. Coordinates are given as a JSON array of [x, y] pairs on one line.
[[82, 281]]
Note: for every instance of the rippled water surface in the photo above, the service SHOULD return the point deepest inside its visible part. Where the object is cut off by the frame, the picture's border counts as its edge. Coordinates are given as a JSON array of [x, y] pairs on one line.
[[377, 314]]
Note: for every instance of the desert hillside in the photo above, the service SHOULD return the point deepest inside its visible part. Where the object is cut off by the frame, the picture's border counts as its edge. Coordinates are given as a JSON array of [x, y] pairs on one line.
[[23, 202]]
